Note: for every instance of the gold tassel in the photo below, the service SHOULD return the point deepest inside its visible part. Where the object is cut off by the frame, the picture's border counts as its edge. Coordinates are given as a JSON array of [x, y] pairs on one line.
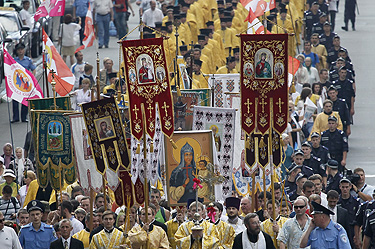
[[247, 143], [173, 144], [178, 91], [261, 143], [292, 88], [138, 150], [118, 96], [282, 142], [152, 147]]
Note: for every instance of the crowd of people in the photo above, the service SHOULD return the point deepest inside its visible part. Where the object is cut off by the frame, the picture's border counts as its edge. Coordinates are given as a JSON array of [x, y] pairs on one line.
[[317, 202]]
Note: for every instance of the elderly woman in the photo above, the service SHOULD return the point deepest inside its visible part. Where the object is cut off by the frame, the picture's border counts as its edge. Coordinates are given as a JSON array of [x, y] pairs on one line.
[[22, 164], [302, 76], [313, 73], [22, 192], [8, 154]]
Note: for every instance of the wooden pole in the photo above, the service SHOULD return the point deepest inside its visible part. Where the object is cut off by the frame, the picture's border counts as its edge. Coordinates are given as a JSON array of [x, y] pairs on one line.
[[104, 193], [97, 78], [91, 226], [145, 170], [271, 160], [45, 73]]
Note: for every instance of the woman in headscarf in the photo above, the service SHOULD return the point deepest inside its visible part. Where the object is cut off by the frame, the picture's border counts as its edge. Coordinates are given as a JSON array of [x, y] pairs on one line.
[[22, 164]]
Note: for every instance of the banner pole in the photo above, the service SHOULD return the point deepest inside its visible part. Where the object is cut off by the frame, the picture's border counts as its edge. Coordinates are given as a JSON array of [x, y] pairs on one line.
[[45, 75], [271, 159], [145, 170], [91, 209], [97, 78]]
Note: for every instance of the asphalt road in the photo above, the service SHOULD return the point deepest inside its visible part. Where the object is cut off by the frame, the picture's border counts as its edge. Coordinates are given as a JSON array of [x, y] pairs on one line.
[[360, 46]]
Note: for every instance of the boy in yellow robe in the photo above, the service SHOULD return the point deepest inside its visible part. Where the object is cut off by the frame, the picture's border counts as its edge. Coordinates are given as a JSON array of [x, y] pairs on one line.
[[229, 68], [225, 231]]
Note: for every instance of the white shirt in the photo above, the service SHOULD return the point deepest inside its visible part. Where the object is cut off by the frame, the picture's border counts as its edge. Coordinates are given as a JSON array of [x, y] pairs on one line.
[[68, 240], [9, 238], [313, 75], [82, 97], [67, 33], [78, 70], [151, 16], [323, 197], [103, 7], [77, 226], [22, 192], [333, 216], [238, 226], [26, 16]]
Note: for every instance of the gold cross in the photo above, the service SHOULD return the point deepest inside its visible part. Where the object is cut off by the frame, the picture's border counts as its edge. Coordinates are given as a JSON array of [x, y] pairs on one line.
[[279, 103], [135, 109], [150, 108], [248, 104], [165, 107], [263, 104]]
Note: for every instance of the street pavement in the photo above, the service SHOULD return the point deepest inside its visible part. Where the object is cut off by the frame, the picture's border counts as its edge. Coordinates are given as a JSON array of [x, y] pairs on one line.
[[360, 46]]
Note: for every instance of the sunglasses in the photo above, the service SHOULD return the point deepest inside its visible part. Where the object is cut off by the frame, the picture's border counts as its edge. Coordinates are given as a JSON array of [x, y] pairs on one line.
[[299, 207], [2, 220]]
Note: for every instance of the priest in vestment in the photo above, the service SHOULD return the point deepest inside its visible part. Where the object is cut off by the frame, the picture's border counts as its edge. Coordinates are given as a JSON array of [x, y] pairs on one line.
[[198, 240], [172, 225], [156, 236], [253, 237], [229, 68], [109, 237], [84, 235]]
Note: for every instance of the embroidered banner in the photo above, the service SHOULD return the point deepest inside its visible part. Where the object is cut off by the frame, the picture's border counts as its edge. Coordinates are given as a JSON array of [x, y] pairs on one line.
[[107, 136], [224, 83], [53, 149], [222, 123], [264, 82], [148, 83]]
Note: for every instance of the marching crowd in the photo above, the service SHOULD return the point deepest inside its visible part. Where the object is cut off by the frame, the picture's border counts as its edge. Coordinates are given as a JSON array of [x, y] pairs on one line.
[[318, 201]]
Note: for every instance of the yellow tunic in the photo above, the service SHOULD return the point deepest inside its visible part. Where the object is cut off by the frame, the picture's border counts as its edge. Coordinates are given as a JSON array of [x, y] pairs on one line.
[[321, 50], [83, 236], [266, 227], [172, 226], [219, 40], [15, 187], [207, 243], [226, 36], [199, 81], [103, 240], [225, 70], [226, 234], [192, 21], [321, 122], [157, 238], [184, 230]]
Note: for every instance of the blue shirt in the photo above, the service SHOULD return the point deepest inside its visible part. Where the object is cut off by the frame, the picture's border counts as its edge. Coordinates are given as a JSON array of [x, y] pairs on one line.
[[26, 62], [81, 7], [41, 239], [314, 58], [333, 236]]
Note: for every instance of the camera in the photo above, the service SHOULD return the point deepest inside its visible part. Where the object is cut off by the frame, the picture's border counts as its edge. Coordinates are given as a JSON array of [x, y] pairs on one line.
[[353, 178]]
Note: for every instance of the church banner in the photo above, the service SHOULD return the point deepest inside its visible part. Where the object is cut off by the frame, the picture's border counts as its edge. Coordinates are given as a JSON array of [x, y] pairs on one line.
[[107, 136], [222, 123], [183, 109], [53, 149], [224, 83], [147, 82], [264, 82]]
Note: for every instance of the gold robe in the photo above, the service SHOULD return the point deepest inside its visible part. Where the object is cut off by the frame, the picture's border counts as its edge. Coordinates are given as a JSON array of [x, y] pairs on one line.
[[157, 238], [207, 243], [225, 70], [199, 81], [226, 234], [103, 240], [172, 226], [83, 236], [321, 50], [184, 229], [266, 226]]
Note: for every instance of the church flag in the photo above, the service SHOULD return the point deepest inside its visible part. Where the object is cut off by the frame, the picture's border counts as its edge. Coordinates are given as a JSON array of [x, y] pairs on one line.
[[89, 31], [50, 8], [20, 83], [257, 8], [148, 84], [264, 82]]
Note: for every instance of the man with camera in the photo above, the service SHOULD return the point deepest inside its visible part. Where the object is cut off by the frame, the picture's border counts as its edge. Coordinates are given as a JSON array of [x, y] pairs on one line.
[[360, 188]]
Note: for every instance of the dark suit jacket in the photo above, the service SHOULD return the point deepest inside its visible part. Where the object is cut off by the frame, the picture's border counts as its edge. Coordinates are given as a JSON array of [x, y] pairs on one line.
[[74, 244], [238, 241], [342, 218]]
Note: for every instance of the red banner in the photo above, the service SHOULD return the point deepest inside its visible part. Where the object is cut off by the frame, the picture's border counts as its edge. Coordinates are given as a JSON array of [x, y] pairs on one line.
[[147, 82], [264, 82]]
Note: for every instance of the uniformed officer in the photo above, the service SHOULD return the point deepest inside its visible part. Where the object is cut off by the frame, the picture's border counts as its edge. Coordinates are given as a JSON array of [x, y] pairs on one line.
[[334, 176], [311, 17], [318, 27], [36, 234], [315, 163], [290, 182], [340, 106], [361, 216], [323, 232], [345, 88], [369, 231], [318, 150], [336, 141], [298, 159]]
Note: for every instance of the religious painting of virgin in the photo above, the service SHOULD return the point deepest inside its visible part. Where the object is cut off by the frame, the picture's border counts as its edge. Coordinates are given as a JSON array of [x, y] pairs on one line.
[[87, 152], [263, 64], [55, 136], [145, 69], [191, 159], [104, 128]]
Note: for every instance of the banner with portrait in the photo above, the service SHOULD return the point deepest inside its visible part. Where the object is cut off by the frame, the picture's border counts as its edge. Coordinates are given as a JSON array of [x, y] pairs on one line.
[[222, 123], [107, 135], [53, 149], [148, 84], [264, 82], [224, 83], [183, 109]]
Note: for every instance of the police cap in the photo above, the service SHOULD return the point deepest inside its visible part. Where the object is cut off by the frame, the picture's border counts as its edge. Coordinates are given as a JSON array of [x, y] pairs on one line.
[[298, 152], [331, 87], [306, 144], [332, 118], [315, 134], [319, 209], [333, 164], [346, 180], [293, 166], [20, 46], [35, 205]]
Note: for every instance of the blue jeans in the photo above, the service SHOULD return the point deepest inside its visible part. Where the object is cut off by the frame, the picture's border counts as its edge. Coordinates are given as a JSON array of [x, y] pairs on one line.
[[121, 24], [102, 23]]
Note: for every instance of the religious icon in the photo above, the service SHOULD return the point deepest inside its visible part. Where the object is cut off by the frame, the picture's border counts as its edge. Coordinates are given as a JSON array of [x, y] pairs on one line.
[[132, 76], [279, 69], [145, 68], [87, 153], [217, 135], [248, 69], [188, 161], [183, 109], [264, 63], [104, 128], [160, 73], [55, 136]]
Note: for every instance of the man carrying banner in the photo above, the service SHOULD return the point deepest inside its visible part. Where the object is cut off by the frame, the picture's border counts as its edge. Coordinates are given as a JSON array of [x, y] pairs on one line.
[[27, 63]]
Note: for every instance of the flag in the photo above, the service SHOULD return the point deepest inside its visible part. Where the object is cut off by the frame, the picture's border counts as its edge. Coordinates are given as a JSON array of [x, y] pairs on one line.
[[63, 76], [293, 65], [21, 84], [257, 8], [51, 8], [89, 31]]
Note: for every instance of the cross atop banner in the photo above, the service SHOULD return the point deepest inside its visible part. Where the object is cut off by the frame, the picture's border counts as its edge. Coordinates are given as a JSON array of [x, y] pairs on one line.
[[148, 84], [264, 85]]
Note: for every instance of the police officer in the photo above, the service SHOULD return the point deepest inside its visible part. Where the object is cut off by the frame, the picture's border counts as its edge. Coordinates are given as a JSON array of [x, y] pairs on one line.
[[311, 17], [36, 234], [334, 176], [363, 212], [323, 232], [318, 150], [336, 141], [318, 27], [340, 106], [298, 159], [290, 182], [315, 163], [369, 231], [345, 88]]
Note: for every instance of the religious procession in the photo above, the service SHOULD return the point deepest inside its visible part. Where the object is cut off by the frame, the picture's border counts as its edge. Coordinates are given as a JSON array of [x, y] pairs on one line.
[[226, 125]]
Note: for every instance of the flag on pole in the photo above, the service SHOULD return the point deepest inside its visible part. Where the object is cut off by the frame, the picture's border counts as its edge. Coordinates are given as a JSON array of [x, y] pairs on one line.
[[21, 84], [63, 76], [257, 8], [89, 31], [293, 65], [51, 8]]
